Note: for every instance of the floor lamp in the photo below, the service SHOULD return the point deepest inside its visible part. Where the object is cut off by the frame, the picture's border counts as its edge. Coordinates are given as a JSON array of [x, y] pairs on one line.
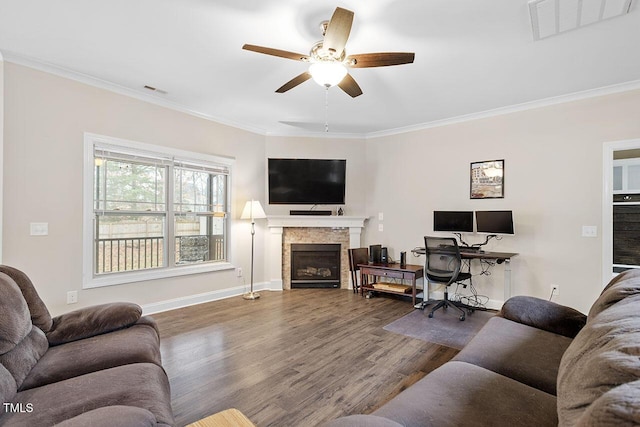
[[252, 210]]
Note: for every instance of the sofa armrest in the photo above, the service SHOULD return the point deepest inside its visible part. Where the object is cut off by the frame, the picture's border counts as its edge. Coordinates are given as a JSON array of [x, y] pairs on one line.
[[112, 416], [545, 315], [92, 321]]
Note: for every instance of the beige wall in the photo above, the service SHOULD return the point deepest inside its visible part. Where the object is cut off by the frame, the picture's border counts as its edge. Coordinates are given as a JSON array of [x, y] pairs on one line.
[[45, 119], [553, 184]]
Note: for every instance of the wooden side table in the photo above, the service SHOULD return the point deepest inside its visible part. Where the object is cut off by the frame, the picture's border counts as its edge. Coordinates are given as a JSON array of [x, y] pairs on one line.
[[227, 418], [408, 272]]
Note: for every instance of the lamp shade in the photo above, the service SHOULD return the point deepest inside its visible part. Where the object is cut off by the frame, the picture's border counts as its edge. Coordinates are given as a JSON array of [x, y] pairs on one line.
[[327, 73], [253, 210]]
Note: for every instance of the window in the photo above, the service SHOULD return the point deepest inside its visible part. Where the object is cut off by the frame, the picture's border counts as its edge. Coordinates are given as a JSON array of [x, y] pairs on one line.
[[152, 212]]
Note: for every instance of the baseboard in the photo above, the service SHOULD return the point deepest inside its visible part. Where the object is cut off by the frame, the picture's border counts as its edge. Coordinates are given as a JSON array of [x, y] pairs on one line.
[[189, 300]]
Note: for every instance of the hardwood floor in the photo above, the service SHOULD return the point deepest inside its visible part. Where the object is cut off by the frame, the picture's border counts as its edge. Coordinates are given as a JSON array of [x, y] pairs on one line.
[[291, 358]]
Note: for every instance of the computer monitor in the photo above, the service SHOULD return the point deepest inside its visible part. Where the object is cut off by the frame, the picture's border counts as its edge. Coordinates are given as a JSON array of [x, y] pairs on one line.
[[454, 221], [494, 222]]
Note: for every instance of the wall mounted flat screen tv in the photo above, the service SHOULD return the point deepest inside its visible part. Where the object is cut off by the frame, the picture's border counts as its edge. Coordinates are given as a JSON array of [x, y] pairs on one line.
[[307, 181], [454, 221], [494, 222]]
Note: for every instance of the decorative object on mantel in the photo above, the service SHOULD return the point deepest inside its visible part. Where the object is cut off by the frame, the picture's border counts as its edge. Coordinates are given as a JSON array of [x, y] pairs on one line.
[[252, 210], [340, 211], [487, 179]]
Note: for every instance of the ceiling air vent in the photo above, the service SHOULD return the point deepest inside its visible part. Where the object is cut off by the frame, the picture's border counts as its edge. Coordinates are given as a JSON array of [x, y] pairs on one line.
[[153, 89], [551, 17]]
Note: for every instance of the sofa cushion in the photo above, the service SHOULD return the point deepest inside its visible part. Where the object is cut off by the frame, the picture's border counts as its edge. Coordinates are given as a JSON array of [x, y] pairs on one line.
[[15, 322], [21, 360], [362, 421], [461, 394], [143, 385], [620, 287], [523, 353], [137, 344], [112, 416], [39, 313], [8, 386], [618, 407], [604, 355]]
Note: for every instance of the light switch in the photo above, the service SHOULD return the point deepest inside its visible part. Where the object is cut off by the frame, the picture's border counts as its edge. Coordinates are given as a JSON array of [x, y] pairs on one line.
[[589, 231], [380, 227], [39, 228], [380, 216]]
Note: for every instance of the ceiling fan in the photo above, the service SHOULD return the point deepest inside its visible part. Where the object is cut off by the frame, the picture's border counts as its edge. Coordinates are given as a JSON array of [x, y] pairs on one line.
[[329, 60]]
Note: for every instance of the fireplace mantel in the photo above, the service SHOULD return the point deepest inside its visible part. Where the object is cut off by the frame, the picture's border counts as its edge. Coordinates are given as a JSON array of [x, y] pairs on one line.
[[281, 221], [277, 224]]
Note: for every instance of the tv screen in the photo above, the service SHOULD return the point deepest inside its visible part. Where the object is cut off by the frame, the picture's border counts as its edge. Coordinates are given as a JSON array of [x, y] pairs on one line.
[[454, 221], [307, 181], [494, 222]]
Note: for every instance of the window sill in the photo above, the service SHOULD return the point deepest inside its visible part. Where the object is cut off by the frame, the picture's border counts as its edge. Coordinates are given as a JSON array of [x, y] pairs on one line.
[[161, 273]]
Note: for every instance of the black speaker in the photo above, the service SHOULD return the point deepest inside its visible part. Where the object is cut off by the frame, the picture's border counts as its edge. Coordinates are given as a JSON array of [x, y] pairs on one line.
[[375, 254], [403, 259], [384, 256]]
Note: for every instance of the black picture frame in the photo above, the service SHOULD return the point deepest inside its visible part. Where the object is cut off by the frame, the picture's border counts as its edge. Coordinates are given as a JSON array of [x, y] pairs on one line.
[[487, 179]]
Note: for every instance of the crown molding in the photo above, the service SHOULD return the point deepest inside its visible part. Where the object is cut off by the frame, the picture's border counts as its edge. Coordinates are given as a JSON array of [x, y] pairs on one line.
[[562, 99], [122, 90]]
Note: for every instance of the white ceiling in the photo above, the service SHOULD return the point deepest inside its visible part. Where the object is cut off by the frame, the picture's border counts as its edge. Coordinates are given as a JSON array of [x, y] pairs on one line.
[[472, 56]]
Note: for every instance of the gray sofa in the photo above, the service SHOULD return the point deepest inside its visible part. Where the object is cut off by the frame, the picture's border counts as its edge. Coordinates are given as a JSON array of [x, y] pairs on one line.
[[536, 363], [98, 366]]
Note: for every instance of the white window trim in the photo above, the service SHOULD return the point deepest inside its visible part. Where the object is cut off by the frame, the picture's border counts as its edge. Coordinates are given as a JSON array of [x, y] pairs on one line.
[[88, 278]]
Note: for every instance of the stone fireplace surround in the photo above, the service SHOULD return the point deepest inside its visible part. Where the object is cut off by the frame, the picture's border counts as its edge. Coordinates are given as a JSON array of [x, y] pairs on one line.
[[285, 230]]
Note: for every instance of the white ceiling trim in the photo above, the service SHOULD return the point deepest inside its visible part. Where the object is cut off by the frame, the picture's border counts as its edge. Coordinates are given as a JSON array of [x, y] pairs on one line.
[[102, 84], [578, 96]]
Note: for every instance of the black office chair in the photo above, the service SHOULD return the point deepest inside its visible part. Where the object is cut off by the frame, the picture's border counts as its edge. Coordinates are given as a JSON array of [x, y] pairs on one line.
[[357, 256], [443, 266]]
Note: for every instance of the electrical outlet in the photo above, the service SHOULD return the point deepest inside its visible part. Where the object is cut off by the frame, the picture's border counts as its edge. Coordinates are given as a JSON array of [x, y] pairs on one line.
[[72, 297], [238, 272], [380, 227], [555, 290]]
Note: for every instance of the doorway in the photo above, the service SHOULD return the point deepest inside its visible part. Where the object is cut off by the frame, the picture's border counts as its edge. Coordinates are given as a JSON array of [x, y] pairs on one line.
[[620, 194]]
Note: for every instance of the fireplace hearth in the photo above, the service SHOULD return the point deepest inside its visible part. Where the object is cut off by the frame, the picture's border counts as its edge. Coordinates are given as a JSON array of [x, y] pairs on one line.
[[315, 265]]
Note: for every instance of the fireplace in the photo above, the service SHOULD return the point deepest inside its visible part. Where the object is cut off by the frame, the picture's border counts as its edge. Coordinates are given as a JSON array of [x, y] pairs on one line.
[[315, 265]]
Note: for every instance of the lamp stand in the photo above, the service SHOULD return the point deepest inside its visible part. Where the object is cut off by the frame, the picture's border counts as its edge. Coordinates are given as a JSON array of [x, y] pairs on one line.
[[252, 295]]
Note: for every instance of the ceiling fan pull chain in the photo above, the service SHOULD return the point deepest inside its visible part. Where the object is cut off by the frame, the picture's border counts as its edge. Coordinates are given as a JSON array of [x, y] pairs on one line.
[[326, 109]]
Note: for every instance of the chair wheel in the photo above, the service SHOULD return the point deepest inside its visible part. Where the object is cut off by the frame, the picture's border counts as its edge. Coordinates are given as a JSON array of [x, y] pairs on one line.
[[430, 315], [462, 318]]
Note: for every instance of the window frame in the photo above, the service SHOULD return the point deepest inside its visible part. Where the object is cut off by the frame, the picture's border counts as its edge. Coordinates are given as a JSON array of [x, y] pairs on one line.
[[177, 156]]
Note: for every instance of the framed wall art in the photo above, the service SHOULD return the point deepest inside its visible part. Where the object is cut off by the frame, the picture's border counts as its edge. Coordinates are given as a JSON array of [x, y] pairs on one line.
[[487, 179]]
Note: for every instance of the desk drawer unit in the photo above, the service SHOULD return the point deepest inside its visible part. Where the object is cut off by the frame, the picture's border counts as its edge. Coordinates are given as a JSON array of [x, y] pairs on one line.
[[389, 274]]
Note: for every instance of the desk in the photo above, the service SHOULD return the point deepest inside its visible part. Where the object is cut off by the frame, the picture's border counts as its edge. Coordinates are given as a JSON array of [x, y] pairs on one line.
[[394, 271], [499, 257]]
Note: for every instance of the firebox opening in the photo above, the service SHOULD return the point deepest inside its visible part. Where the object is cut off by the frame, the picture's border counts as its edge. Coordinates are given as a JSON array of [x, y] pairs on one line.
[[315, 265]]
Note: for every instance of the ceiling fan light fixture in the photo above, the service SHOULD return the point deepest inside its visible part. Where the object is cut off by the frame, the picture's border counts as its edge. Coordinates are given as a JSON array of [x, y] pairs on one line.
[[327, 73]]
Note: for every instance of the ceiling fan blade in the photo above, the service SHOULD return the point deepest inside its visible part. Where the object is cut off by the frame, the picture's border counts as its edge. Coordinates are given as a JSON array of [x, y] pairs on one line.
[[338, 30], [349, 85], [294, 82], [383, 59], [276, 52]]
